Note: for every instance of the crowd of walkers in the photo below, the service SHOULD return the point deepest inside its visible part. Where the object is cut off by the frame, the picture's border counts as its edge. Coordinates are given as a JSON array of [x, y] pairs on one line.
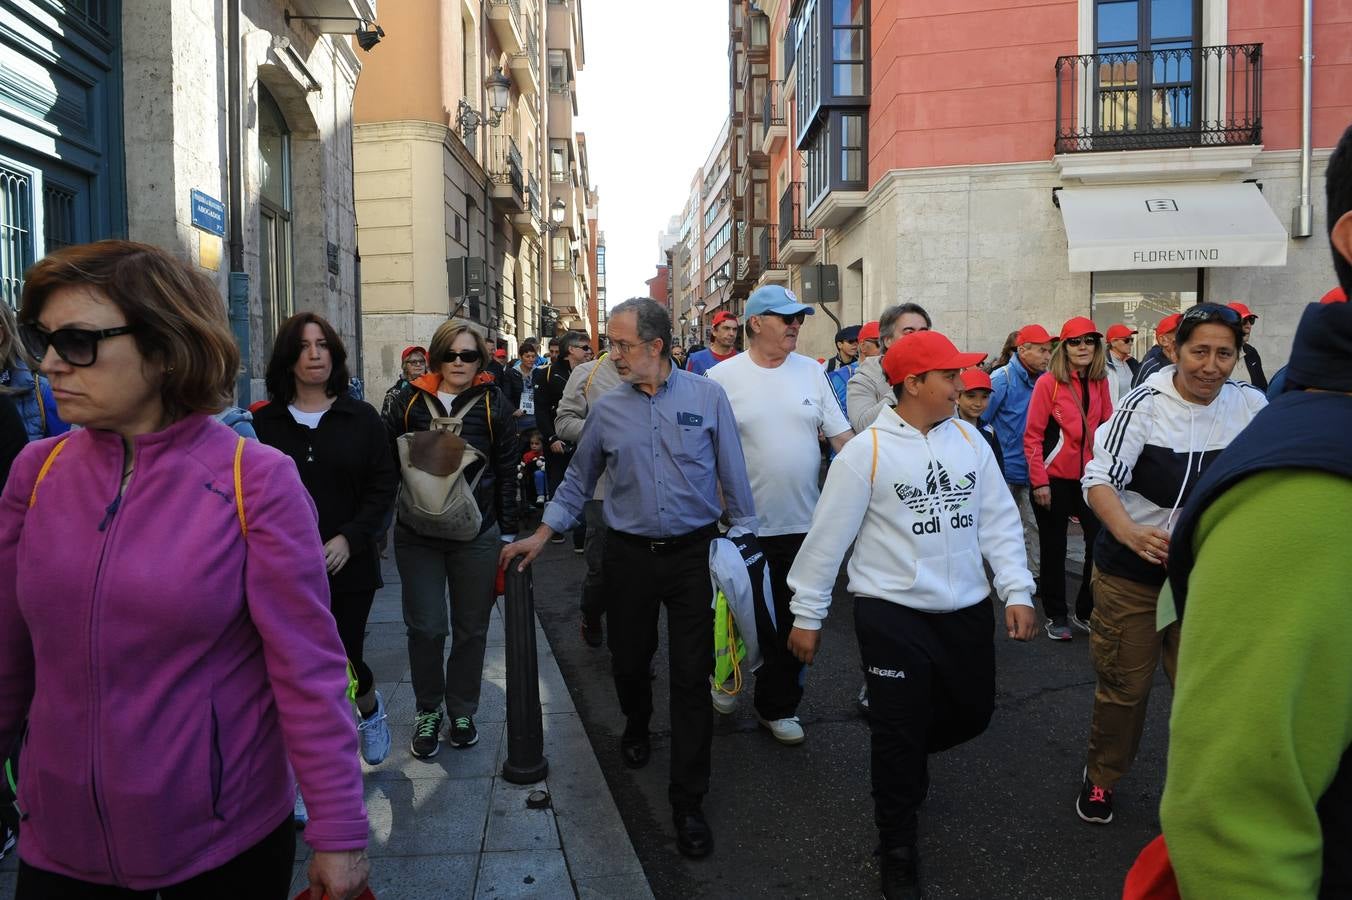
[[189, 584]]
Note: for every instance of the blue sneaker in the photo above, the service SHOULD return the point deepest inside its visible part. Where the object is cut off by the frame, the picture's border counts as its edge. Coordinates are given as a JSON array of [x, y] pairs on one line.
[[374, 732]]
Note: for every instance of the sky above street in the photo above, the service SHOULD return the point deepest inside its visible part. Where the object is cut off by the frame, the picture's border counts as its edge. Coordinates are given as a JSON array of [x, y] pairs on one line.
[[651, 100]]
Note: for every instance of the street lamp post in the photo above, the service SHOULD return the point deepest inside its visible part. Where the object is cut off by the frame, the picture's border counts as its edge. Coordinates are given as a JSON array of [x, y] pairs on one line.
[[700, 306]]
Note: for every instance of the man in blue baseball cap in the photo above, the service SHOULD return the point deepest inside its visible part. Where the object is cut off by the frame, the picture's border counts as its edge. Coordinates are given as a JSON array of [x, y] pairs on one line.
[[774, 299]]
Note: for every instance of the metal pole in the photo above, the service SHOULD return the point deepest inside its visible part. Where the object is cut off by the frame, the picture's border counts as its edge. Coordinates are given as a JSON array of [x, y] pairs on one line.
[[238, 296], [1302, 224], [526, 762]]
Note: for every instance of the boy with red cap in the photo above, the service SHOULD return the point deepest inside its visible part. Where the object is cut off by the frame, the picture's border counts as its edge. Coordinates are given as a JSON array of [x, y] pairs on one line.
[[920, 496], [722, 344], [972, 402], [1162, 354], [1252, 370]]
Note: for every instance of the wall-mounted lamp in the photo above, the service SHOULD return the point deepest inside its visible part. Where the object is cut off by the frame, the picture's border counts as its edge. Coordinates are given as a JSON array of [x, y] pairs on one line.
[[499, 97]]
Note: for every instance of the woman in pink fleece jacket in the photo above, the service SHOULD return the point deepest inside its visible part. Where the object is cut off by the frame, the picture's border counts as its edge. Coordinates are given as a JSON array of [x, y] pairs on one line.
[[167, 636]]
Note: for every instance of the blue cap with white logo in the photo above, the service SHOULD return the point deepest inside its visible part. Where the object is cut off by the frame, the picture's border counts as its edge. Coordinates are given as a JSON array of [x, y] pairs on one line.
[[774, 299]]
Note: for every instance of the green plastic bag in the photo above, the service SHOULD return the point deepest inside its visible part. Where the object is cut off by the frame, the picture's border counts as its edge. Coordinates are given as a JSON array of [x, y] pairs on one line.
[[729, 648]]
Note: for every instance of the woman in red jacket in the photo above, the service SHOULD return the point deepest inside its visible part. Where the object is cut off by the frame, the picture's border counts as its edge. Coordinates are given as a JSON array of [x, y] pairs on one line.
[[1069, 402]]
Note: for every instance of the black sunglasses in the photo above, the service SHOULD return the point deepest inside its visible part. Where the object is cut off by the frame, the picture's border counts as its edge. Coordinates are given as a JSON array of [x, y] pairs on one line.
[[1211, 312], [791, 318], [1091, 339], [77, 346], [465, 356]]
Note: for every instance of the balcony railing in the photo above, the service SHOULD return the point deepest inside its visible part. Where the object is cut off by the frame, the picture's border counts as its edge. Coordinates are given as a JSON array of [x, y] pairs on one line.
[[791, 227], [774, 104], [533, 186], [504, 162], [769, 248], [1153, 99]]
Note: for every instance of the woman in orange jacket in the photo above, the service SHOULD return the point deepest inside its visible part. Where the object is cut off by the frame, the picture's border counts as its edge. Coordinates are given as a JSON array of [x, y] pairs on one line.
[[1069, 402]]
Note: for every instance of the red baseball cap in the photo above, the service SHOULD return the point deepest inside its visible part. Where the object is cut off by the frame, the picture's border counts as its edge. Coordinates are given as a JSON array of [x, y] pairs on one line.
[[1032, 334], [1119, 331], [1078, 327], [403, 357], [925, 351], [722, 316], [1168, 323], [975, 380], [1337, 295], [869, 331], [1244, 311], [499, 353]]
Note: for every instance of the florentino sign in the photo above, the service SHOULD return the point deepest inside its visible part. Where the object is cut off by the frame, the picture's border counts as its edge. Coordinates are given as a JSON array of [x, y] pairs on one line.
[[1191, 254]]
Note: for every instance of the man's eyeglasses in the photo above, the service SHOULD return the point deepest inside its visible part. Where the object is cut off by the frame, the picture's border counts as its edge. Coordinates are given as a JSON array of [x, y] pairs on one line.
[[624, 348], [77, 346], [465, 356], [1091, 339], [1211, 312], [790, 318]]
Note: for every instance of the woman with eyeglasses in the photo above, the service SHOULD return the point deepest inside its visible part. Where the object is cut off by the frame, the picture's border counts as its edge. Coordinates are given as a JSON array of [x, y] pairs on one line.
[[455, 385], [30, 391], [1148, 456], [1069, 402], [340, 448], [167, 629]]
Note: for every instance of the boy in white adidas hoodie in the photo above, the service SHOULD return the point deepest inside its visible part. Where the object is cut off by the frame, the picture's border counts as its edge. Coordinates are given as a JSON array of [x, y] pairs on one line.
[[921, 497]]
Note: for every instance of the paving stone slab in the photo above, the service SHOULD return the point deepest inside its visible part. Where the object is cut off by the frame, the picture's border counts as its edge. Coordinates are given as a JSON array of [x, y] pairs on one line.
[[613, 887], [523, 873], [512, 825], [427, 817]]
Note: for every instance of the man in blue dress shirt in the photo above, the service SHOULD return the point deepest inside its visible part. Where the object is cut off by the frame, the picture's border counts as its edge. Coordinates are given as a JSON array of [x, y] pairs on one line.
[[669, 443]]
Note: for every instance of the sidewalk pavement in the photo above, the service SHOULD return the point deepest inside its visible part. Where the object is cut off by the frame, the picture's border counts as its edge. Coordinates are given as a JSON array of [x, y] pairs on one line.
[[452, 827]]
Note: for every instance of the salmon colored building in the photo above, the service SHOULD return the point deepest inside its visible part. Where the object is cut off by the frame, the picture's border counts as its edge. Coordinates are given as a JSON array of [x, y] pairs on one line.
[[1006, 162]]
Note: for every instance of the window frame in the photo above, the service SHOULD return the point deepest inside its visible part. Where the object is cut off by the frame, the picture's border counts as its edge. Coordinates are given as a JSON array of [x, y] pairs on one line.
[[276, 256]]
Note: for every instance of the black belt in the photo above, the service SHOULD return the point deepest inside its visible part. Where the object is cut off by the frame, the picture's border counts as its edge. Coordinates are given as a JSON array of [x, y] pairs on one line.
[[667, 544]]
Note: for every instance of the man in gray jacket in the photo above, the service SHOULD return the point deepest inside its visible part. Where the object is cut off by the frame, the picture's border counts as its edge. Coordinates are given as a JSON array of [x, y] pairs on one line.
[[868, 391], [587, 382]]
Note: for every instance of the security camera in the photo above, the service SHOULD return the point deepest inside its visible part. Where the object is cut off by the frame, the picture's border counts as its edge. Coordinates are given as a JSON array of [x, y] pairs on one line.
[[366, 39]]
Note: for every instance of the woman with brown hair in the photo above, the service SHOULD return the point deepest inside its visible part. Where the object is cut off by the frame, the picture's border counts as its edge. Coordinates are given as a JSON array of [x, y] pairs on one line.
[[456, 385], [1070, 400], [339, 446], [166, 616]]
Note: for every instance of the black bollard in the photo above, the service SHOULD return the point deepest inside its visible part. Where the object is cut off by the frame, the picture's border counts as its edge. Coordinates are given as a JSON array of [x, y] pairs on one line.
[[525, 763]]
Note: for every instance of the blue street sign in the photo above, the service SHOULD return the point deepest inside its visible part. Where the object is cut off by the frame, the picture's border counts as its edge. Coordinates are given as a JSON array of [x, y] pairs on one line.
[[208, 213]]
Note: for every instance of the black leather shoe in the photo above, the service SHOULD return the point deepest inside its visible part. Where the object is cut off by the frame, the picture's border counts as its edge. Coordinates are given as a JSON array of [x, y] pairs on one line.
[[635, 751], [900, 880], [693, 835]]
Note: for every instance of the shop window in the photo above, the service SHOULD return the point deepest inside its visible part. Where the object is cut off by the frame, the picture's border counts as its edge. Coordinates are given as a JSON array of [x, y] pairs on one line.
[[274, 208], [1140, 298]]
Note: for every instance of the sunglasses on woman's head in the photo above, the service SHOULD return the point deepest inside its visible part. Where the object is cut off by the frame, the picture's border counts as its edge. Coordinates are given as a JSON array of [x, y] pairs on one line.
[[465, 356], [1211, 312], [1090, 339], [77, 346]]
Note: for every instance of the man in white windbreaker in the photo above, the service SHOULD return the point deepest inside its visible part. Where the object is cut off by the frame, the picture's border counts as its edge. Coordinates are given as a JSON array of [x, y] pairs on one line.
[[925, 497]]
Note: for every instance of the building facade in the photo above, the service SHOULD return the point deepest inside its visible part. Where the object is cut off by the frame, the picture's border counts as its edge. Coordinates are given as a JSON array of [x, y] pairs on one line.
[[98, 139], [472, 184], [968, 160]]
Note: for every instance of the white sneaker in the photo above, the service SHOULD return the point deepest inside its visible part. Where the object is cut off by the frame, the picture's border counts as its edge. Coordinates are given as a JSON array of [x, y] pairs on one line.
[[374, 733], [786, 731], [301, 814], [724, 704]]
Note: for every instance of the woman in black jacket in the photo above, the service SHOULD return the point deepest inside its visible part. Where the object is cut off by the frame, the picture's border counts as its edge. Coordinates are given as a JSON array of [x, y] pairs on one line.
[[455, 385], [339, 446]]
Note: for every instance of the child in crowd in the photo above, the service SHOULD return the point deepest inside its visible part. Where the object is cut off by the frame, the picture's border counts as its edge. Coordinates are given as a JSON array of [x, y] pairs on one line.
[[972, 402], [530, 474]]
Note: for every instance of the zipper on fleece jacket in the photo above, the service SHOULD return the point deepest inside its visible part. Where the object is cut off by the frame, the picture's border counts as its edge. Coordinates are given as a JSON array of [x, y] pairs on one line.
[[109, 527]]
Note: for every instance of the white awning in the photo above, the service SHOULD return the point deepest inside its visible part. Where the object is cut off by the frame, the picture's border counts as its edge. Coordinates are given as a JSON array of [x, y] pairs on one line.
[[1182, 225]]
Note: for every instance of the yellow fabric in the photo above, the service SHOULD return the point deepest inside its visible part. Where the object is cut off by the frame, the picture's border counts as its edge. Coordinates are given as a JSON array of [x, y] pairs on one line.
[[873, 473], [239, 489], [729, 648], [46, 465]]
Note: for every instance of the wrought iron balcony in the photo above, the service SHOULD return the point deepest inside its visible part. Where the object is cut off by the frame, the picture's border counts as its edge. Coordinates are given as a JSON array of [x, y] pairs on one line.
[[505, 171], [1154, 99], [791, 226], [769, 249]]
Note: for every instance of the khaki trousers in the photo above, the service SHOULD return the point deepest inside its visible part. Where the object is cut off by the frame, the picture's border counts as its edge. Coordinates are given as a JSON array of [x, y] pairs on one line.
[[1126, 648]]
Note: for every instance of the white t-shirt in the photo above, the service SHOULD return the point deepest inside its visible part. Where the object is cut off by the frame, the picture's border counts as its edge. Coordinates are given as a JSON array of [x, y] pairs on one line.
[[308, 419], [778, 413], [446, 400]]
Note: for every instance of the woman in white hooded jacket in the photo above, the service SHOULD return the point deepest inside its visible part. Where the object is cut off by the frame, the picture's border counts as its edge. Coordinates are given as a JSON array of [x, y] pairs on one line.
[[1147, 457]]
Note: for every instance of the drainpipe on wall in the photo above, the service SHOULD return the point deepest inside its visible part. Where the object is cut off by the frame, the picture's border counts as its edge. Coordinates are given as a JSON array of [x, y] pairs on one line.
[[238, 296], [1302, 217]]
